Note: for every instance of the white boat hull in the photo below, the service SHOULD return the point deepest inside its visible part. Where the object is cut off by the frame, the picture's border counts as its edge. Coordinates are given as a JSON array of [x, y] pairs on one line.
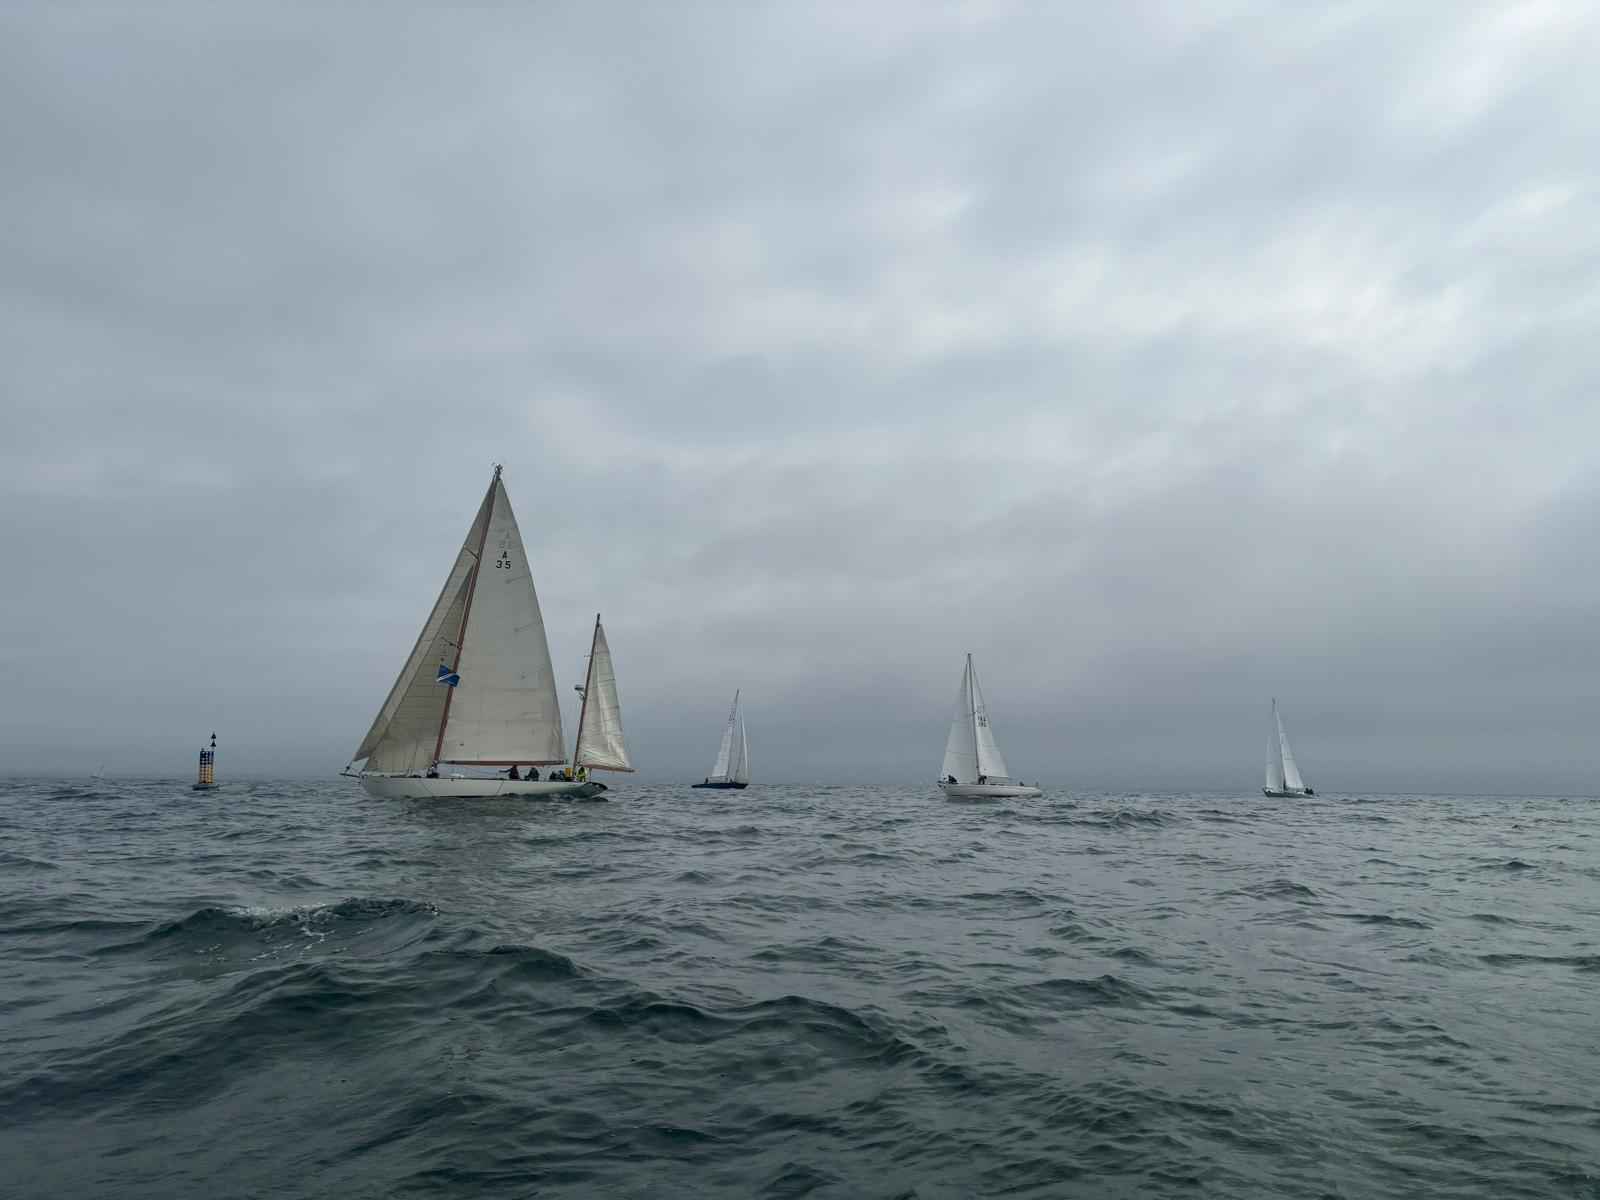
[[410, 787], [987, 791]]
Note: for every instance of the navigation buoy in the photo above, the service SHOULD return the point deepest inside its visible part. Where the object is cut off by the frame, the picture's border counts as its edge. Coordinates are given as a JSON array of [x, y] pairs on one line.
[[208, 767]]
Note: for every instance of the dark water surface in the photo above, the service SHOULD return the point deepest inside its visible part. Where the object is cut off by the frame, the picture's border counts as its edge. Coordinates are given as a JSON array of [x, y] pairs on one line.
[[293, 990]]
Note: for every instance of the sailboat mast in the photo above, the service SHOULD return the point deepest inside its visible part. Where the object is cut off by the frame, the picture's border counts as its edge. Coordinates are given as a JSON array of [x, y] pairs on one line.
[[466, 612], [588, 686]]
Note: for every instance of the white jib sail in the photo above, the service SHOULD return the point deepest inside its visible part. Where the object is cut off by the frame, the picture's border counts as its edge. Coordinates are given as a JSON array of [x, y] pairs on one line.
[[505, 710], [725, 751], [405, 733], [600, 724], [1291, 773], [739, 767], [1274, 752]]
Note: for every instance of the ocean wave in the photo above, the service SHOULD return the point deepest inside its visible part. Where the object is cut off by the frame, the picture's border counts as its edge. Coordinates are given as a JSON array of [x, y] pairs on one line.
[[1585, 963], [1376, 918], [1275, 889]]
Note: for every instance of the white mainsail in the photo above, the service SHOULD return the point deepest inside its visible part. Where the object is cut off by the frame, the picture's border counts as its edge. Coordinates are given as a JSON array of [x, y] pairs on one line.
[[599, 743], [486, 631], [970, 750]]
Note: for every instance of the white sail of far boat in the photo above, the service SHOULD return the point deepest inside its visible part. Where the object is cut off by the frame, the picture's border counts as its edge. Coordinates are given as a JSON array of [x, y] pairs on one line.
[[1283, 775], [732, 769], [478, 691], [599, 745], [973, 767]]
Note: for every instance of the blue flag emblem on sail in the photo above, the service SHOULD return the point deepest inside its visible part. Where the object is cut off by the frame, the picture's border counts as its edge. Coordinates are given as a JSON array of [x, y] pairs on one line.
[[447, 677]]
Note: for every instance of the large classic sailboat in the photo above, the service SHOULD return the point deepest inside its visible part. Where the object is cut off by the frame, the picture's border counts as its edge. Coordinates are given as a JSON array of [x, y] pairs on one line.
[[732, 770], [478, 690], [1283, 776], [973, 768]]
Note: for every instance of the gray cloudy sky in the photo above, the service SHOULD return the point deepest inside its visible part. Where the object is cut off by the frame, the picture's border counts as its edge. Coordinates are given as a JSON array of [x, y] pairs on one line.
[[1165, 355]]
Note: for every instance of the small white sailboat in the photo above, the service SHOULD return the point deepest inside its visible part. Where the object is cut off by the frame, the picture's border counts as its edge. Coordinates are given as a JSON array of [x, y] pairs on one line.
[[478, 691], [732, 769], [599, 746], [1283, 776], [973, 768]]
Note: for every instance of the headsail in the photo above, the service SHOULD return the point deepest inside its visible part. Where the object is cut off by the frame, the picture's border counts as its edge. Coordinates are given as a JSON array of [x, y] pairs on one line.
[[405, 733], [1291, 773], [990, 765], [1275, 752], [739, 747], [599, 742], [719, 770], [496, 703], [961, 747]]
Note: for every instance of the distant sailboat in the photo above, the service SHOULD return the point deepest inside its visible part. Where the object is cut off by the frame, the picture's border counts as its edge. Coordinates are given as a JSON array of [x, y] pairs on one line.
[[973, 768], [599, 746], [208, 768], [478, 690], [1283, 776], [733, 756]]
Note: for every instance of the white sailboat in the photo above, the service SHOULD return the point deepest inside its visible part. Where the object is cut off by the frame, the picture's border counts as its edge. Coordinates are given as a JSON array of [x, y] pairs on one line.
[[1283, 776], [732, 769], [599, 746], [973, 768], [478, 690]]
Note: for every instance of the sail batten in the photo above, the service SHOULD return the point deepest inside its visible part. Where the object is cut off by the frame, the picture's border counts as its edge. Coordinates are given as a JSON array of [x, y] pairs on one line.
[[599, 745]]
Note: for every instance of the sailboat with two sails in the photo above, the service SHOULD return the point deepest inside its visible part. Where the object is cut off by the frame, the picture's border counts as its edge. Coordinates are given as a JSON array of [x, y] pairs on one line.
[[1283, 775], [732, 769], [478, 692], [973, 768]]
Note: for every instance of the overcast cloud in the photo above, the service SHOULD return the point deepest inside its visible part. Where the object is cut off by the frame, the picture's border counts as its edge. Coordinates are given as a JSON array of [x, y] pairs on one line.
[[1165, 356]]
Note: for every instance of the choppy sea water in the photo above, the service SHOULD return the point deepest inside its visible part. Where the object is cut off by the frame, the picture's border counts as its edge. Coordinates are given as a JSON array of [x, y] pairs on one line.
[[294, 990]]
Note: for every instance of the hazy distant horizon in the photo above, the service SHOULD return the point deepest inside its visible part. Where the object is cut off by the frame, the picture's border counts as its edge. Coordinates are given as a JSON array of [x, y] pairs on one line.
[[1165, 357]]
